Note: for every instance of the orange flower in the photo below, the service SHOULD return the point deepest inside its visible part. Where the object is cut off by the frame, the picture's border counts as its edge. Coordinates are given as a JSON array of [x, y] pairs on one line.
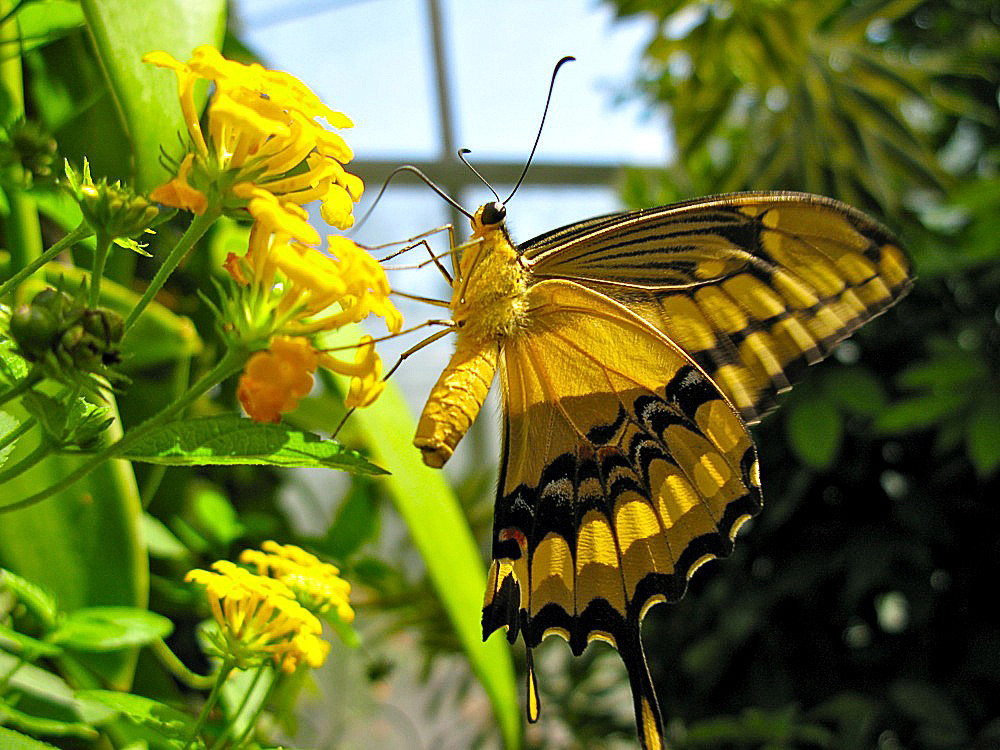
[[275, 380]]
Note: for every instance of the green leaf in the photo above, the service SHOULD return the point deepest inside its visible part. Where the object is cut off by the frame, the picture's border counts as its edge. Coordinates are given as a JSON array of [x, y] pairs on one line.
[[45, 687], [356, 522], [7, 425], [42, 22], [19, 643], [39, 601], [43, 725], [82, 544], [13, 367], [160, 541], [110, 629], [215, 516], [11, 740], [146, 96], [439, 530], [919, 412], [855, 389], [982, 437], [229, 439], [161, 718], [74, 423], [815, 429]]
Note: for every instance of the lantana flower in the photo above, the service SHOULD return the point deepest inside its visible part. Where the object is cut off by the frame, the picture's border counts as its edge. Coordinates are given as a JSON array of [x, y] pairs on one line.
[[259, 619], [317, 585], [297, 291], [263, 131]]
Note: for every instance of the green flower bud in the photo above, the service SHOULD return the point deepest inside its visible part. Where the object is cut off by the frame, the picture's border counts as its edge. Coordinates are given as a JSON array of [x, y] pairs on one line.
[[34, 149], [36, 327], [112, 210]]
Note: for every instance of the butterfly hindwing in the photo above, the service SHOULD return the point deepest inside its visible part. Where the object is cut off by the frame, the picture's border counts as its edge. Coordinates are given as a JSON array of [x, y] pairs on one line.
[[624, 469], [753, 286]]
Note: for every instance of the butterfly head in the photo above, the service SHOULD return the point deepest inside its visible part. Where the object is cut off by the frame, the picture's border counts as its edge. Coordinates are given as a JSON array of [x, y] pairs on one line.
[[490, 216]]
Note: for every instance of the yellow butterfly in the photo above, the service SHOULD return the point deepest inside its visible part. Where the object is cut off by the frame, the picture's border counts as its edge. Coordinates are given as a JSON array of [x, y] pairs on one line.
[[633, 352]]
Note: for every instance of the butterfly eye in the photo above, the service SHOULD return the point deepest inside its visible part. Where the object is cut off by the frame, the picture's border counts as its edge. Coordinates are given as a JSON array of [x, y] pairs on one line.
[[493, 214]]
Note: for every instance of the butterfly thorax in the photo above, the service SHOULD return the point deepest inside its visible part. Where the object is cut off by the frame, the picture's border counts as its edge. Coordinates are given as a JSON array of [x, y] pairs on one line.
[[489, 297], [489, 305]]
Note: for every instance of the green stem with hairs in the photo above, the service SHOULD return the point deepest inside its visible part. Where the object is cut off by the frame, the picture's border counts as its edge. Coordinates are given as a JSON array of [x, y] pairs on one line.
[[81, 232], [101, 251], [199, 225], [213, 698]]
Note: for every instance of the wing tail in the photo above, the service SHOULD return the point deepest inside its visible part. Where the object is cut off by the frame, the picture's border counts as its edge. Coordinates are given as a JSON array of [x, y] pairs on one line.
[[649, 723]]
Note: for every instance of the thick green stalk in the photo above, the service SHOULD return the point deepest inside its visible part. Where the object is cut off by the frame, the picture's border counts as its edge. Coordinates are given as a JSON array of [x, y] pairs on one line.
[[199, 225], [21, 228]]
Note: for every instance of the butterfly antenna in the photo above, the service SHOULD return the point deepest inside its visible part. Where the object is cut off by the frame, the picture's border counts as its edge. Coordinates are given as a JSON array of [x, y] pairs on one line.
[[461, 155], [538, 137], [425, 179]]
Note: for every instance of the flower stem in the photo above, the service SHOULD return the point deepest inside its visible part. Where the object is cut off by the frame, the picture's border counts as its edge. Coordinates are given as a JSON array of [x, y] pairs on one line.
[[210, 702], [176, 667], [43, 449], [251, 720], [195, 231], [81, 232], [12, 437], [20, 387], [100, 258], [232, 361]]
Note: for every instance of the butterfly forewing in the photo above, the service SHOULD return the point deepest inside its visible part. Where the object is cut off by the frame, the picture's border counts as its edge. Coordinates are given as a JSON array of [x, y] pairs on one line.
[[753, 286]]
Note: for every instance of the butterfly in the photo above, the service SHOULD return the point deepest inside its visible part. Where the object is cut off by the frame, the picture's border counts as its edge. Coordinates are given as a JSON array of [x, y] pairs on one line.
[[634, 350]]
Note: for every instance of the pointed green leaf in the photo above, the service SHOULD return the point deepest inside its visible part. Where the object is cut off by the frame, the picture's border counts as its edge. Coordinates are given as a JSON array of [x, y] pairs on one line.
[[11, 740], [43, 725], [110, 629], [36, 599], [229, 440], [815, 428], [82, 544], [982, 437], [855, 389], [7, 425], [441, 533], [159, 717]]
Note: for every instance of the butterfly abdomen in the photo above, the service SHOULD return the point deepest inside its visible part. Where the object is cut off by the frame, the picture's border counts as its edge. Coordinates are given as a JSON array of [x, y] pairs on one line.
[[489, 305]]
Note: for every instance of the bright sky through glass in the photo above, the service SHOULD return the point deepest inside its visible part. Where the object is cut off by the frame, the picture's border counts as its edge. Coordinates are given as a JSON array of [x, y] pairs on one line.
[[373, 60]]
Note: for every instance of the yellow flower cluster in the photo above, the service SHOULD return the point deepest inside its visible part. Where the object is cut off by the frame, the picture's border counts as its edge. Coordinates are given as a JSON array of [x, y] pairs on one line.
[[263, 132], [265, 153], [259, 619], [317, 585]]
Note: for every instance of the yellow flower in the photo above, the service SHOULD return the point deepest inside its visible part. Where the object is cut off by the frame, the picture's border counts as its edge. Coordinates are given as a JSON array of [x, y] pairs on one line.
[[275, 380], [289, 289], [317, 585], [264, 132], [365, 373], [259, 619]]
